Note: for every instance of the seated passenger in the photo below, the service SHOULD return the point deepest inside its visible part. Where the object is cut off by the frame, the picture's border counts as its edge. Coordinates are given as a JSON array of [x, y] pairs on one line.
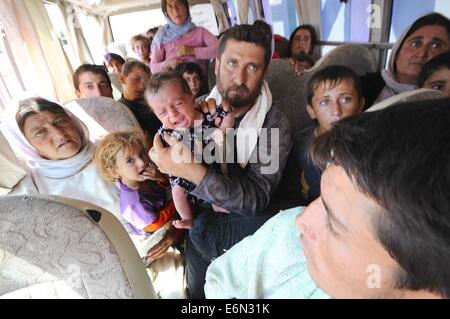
[[134, 78], [435, 74], [333, 93], [92, 80], [427, 37], [380, 229], [57, 150], [122, 157], [180, 40], [141, 46], [171, 100], [302, 40], [195, 77], [113, 62]]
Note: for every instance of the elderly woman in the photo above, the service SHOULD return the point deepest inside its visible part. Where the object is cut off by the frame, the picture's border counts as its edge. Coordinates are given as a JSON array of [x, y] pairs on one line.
[[180, 40], [427, 37], [56, 147]]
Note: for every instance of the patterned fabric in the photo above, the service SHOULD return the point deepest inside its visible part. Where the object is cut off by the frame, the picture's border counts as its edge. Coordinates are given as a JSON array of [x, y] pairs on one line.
[[194, 136], [51, 250]]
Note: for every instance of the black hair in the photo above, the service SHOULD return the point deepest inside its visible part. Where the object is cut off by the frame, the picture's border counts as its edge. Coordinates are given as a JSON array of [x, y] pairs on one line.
[[112, 56], [438, 62], [190, 68], [249, 33], [399, 157], [333, 74], [303, 57], [312, 32], [159, 80], [130, 65]]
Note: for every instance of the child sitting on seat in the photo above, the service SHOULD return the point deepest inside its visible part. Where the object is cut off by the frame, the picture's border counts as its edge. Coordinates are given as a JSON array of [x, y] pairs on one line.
[[169, 96], [435, 74], [333, 93], [122, 156]]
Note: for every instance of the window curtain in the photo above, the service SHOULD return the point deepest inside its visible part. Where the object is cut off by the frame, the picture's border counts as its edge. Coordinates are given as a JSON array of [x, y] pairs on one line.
[[242, 8], [221, 15], [38, 59]]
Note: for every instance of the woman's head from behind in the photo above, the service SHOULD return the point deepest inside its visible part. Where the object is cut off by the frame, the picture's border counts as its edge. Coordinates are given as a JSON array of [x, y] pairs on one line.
[[302, 40], [48, 128], [176, 10], [427, 37]]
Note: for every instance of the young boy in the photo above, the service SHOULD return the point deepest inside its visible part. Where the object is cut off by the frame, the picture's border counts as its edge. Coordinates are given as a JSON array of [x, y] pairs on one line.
[[193, 74], [435, 74], [333, 93], [169, 96], [92, 80]]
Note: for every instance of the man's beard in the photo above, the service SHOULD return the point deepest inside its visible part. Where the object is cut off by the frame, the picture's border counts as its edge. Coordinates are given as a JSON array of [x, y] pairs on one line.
[[237, 101]]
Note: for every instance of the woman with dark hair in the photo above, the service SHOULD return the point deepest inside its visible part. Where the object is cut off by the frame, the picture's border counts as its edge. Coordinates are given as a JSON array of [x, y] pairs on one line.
[[180, 40], [426, 38], [303, 40], [113, 62]]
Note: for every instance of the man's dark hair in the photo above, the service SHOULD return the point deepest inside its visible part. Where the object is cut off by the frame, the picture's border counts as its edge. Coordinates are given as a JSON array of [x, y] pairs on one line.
[[438, 62], [159, 80], [399, 157], [93, 68], [334, 74], [249, 33], [312, 33]]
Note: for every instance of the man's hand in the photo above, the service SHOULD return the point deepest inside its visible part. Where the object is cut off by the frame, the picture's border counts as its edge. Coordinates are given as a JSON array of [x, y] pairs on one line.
[[184, 50], [176, 160], [210, 107]]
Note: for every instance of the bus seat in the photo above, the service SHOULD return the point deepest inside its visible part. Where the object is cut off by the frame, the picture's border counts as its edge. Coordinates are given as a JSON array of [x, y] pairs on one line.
[[289, 90], [50, 249], [102, 115], [410, 96]]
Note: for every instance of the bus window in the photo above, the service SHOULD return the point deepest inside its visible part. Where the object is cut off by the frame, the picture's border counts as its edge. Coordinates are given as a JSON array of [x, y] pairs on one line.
[[404, 12], [135, 22], [203, 15], [282, 15], [345, 21]]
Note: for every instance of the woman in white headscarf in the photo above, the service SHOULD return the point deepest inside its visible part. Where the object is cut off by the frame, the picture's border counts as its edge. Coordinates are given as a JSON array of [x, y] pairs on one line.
[[56, 148], [427, 37]]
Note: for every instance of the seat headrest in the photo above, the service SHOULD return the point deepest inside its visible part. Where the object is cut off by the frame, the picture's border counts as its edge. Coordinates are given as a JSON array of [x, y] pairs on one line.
[[410, 96], [52, 250]]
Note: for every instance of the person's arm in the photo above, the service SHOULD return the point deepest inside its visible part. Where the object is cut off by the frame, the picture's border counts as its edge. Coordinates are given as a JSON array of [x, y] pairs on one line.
[[248, 191], [210, 46], [158, 62]]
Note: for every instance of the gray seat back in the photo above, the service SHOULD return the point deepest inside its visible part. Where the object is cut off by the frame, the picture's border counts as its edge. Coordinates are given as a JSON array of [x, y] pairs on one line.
[[289, 90]]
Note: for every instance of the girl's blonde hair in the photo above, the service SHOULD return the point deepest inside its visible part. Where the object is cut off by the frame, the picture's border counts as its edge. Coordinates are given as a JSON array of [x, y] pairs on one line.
[[108, 147]]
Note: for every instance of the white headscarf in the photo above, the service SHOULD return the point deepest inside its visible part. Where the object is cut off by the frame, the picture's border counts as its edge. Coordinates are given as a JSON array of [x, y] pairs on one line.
[[48, 168]]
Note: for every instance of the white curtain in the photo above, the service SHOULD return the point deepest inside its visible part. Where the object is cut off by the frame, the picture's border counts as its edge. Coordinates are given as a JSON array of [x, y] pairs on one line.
[[36, 55], [242, 11]]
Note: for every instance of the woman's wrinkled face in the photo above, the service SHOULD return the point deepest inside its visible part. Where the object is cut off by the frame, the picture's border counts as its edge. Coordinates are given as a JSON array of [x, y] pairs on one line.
[[421, 46], [176, 11], [54, 136]]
